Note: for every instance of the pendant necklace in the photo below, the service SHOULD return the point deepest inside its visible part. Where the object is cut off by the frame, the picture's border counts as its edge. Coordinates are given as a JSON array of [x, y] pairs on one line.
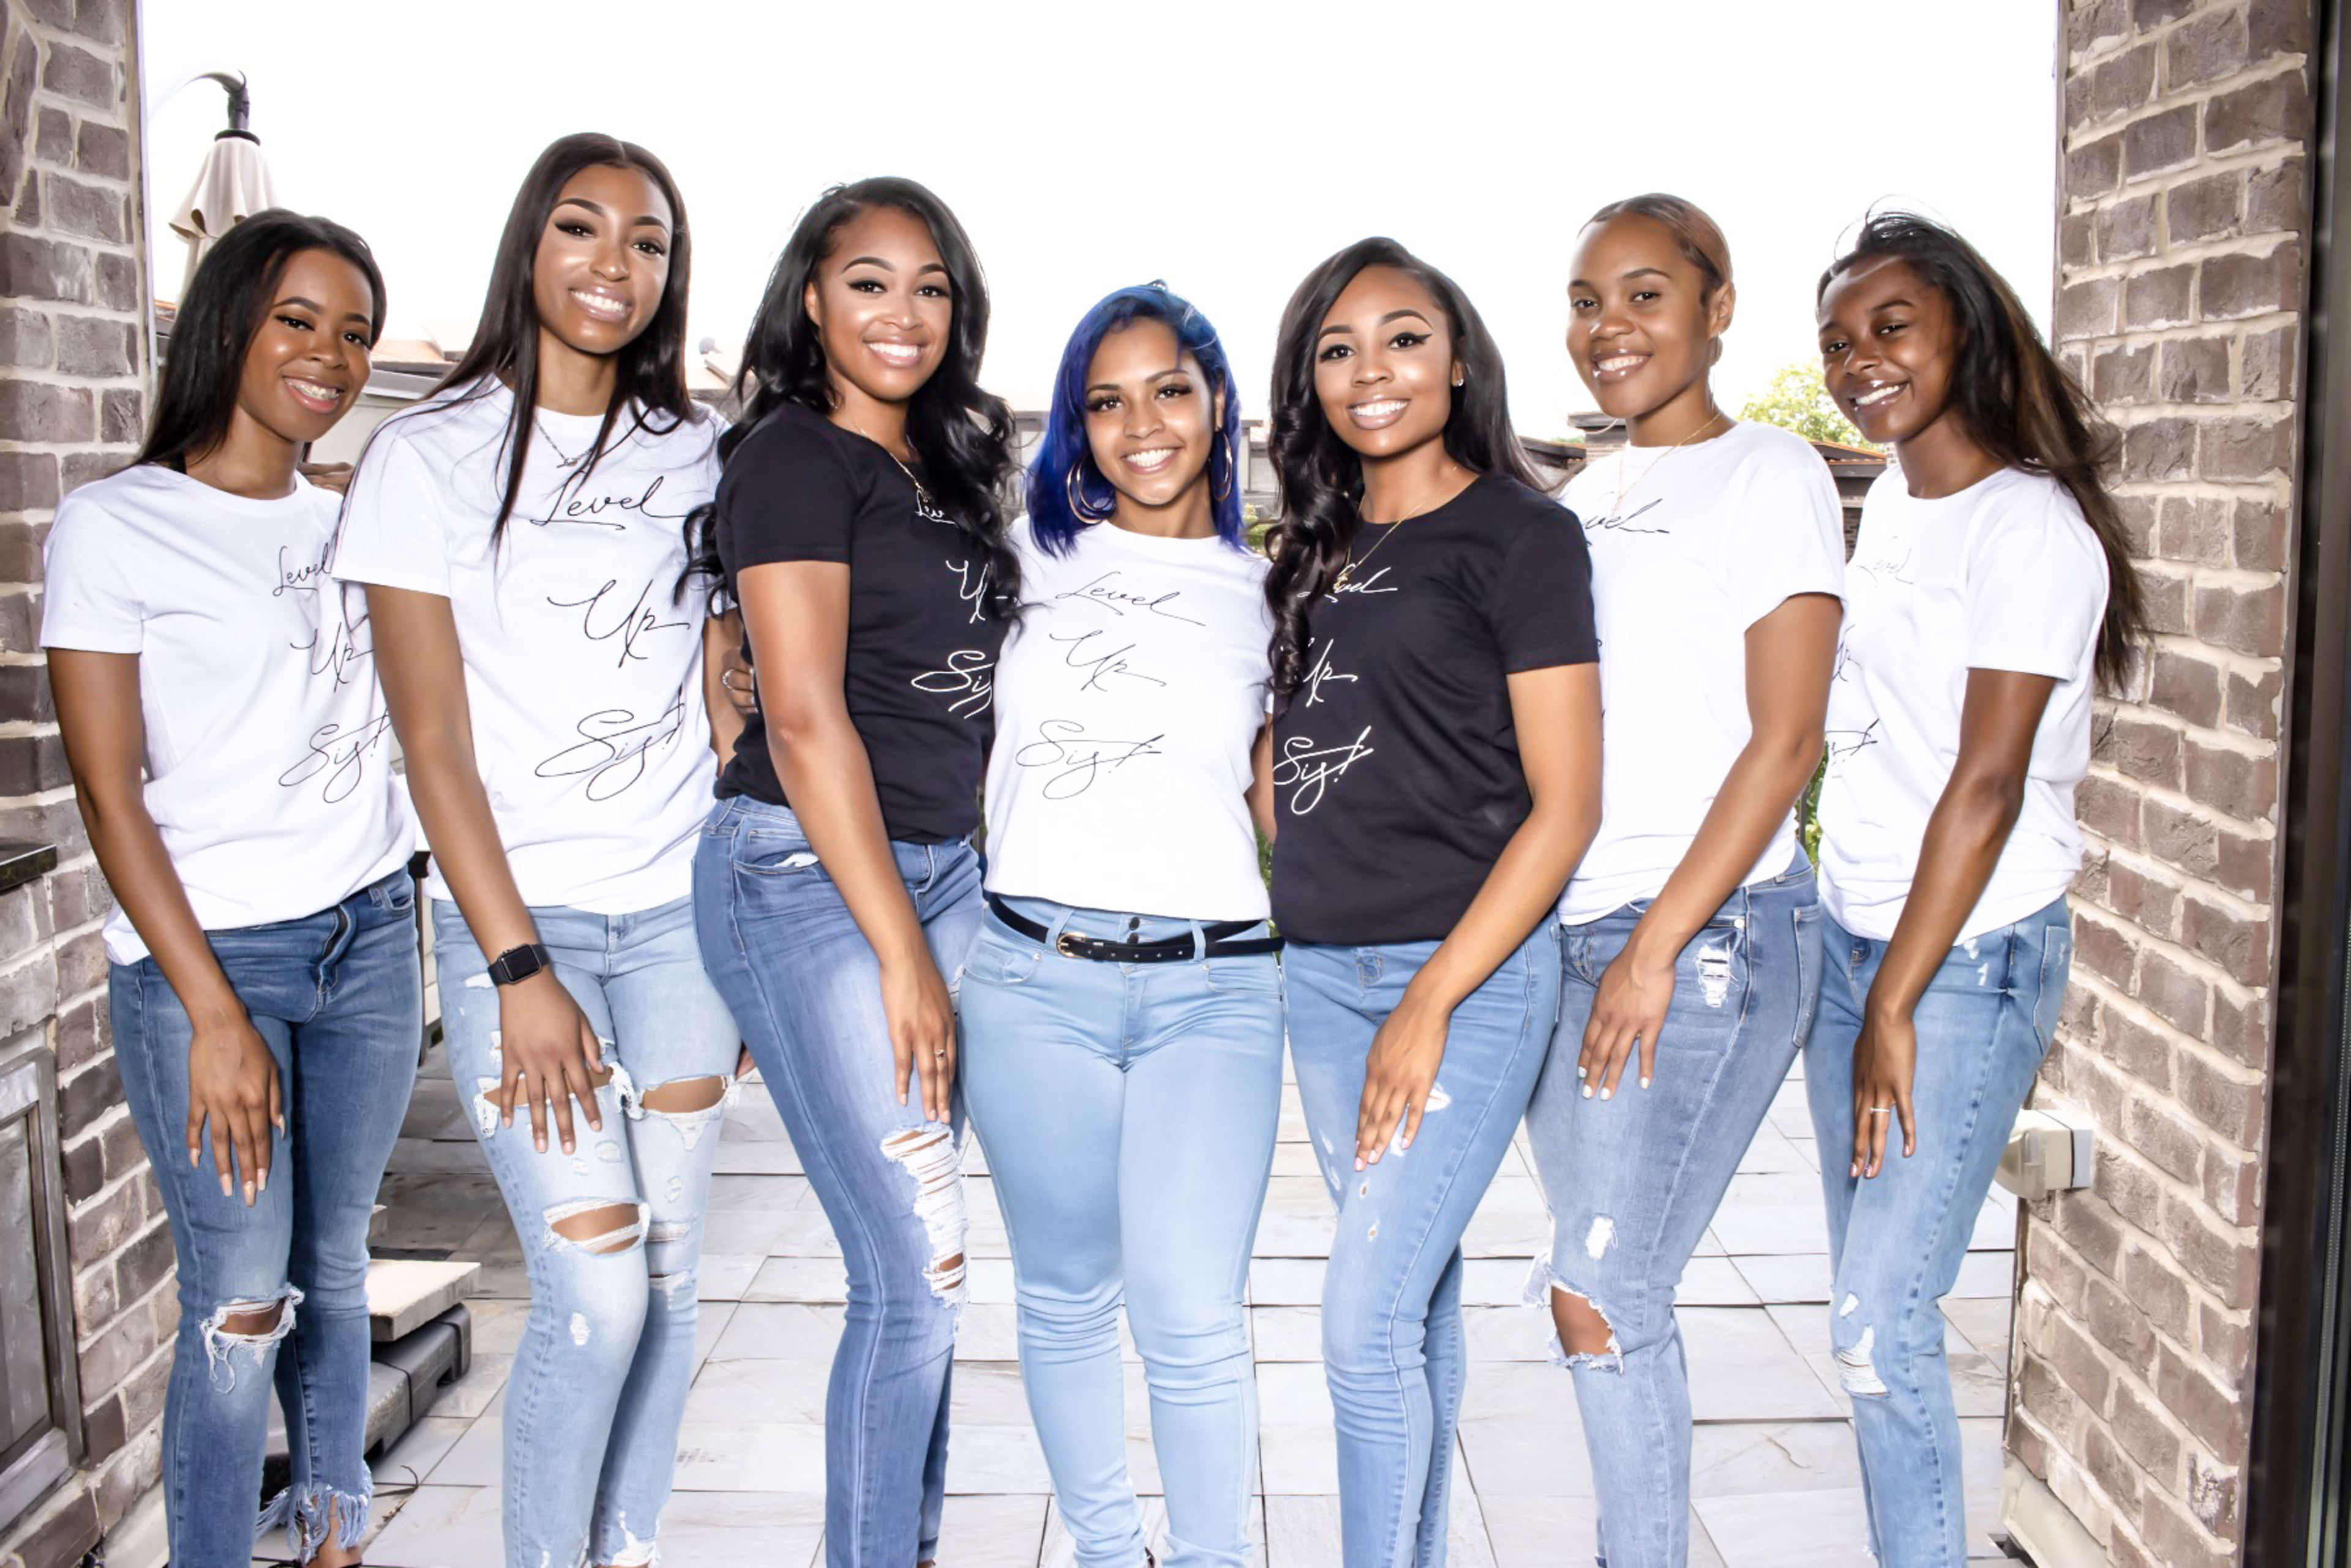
[[1347, 572], [1623, 489]]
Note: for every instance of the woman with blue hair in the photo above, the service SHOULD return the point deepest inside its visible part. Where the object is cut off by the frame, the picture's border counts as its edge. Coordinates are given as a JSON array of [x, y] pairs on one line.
[[1122, 1009]]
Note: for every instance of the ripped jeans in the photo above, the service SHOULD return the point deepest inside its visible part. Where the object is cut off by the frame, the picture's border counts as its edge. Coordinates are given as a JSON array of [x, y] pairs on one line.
[[1129, 1112], [804, 982], [1897, 1240], [1391, 1338], [1634, 1180], [336, 997], [599, 1379]]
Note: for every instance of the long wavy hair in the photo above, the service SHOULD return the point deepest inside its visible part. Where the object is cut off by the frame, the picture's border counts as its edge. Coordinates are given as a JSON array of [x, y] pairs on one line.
[[1322, 478], [1064, 471], [2016, 401], [227, 303], [962, 436], [649, 385]]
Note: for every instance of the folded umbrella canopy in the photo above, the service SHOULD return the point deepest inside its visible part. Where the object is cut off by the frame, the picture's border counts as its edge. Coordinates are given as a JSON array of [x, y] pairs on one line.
[[233, 185]]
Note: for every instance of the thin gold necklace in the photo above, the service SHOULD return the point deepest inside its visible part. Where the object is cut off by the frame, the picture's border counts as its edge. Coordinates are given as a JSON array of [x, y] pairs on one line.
[[1347, 572], [1623, 489], [923, 502]]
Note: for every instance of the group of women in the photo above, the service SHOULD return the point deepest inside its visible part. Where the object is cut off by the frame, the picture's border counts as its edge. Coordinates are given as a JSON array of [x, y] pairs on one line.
[[1527, 768]]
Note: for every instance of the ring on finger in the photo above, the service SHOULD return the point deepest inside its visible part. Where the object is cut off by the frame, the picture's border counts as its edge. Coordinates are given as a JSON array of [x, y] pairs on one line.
[[1881, 1110]]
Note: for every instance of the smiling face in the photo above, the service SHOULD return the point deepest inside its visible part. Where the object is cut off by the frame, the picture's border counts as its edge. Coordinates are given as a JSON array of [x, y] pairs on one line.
[[603, 260], [1889, 347], [308, 359], [1643, 325], [883, 304], [1383, 365], [1152, 417]]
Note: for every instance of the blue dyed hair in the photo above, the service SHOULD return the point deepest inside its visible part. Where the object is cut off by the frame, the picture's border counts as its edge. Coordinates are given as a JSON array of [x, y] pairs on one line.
[[1064, 464]]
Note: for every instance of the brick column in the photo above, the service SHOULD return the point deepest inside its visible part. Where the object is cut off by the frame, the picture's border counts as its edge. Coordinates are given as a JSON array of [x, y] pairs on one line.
[[72, 402], [2183, 228]]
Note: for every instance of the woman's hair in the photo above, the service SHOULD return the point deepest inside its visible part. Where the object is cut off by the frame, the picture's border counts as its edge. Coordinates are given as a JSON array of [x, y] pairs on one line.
[[1067, 491], [650, 377], [2015, 401], [227, 301], [961, 434], [1322, 478]]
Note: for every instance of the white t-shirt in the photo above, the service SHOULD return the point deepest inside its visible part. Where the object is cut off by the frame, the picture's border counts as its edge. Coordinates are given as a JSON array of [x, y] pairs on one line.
[[268, 759], [1690, 546], [1128, 696], [582, 671], [2005, 575]]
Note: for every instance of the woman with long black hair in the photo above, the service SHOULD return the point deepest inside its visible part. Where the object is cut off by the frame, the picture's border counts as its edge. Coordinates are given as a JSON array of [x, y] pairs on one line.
[[1691, 930], [1122, 1007], [1436, 777], [263, 978], [1989, 593], [860, 527], [521, 534]]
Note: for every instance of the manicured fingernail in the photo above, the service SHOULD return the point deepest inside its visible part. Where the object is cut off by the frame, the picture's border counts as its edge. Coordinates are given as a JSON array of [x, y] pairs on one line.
[[541, 1142], [1404, 1143], [265, 1178], [1587, 1091], [248, 1195], [1608, 1093], [1644, 1083], [1359, 1162], [226, 1190], [1584, 1073]]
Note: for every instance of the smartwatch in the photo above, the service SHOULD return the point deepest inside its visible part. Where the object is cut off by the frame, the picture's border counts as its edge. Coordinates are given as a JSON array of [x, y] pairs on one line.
[[519, 963]]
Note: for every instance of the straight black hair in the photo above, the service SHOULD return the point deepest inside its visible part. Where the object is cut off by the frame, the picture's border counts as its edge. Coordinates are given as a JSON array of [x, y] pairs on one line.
[[227, 301], [2016, 401], [651, 369], [962, 436], [1322, 478]]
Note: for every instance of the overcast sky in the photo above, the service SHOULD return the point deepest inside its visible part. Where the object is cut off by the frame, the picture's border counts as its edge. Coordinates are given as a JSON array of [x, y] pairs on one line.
[[1224, 147]]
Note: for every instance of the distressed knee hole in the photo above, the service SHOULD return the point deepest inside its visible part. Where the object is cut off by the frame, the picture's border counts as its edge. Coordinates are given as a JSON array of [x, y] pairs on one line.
[[254, 1326], [598, 1225], [1856, 1361], [260, 1322], [1583, 1329], [685, 1094], [931, 1156]]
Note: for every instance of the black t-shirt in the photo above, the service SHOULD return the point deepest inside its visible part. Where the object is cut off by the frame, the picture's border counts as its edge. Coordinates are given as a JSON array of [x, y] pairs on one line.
[[920, 669], [1396, 772]]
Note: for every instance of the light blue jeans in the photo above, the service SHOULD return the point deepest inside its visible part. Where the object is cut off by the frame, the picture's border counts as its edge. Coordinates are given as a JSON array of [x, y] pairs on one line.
[[804, 983], [1897, 1240], [337, 999], [1129, 1112], [599, 1379], [1634, 1180], [1392, 1336]]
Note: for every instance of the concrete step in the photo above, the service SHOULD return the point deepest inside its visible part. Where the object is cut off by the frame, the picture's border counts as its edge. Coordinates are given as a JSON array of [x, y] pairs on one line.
[[404, 1294]]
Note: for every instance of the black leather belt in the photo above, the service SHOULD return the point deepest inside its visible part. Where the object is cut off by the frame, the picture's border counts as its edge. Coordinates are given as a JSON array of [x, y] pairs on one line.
[[1173, 950]]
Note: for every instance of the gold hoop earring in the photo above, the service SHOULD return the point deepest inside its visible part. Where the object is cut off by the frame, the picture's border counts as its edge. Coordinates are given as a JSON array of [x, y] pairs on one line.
[[1224, 444], [1079, 506]]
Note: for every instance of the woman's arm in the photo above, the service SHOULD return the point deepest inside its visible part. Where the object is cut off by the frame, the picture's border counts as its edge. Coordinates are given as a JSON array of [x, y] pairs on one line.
[[1970, 824], [548, 1051], [722, 652], [1260, 789], [1790, 654], [1556, 713], [232, 1078], [798, 614]]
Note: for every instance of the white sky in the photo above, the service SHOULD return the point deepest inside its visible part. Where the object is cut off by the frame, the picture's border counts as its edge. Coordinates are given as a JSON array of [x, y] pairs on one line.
[[1224, 147]]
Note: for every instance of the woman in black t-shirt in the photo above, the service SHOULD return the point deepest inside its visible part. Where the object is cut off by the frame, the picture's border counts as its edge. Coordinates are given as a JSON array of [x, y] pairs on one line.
[[1437, 773], [858, 526]]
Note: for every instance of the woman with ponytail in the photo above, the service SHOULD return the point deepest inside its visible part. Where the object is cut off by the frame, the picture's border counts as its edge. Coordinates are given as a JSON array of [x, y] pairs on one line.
[[1990, 594], [859, 525]]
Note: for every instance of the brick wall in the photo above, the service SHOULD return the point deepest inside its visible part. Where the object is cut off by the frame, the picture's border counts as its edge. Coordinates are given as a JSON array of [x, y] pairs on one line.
[[2183, 228], [72, 400]]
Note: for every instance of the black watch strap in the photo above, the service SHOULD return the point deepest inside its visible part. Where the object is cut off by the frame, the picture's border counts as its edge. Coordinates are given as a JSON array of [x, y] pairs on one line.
[[519, 963]]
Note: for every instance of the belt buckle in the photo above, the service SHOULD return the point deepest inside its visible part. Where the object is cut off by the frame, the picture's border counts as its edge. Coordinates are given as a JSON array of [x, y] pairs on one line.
[[1061, 944]]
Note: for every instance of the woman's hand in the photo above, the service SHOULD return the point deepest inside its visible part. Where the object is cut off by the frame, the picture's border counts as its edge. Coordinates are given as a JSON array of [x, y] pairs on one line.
[[1884, 1058], [1399, 1074], [922, 1031], [551, 1057], [232, 1084], [1630, 1007]]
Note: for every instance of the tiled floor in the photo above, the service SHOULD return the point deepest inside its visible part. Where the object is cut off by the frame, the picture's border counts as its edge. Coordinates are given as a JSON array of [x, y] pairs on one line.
[[1775, 1480]]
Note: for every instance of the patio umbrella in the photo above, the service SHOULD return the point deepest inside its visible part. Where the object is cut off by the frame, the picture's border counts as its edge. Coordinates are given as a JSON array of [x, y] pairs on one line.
[[233, 185]]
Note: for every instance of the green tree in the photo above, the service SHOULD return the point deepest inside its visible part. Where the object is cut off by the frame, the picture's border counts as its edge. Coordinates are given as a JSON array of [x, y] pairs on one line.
[[1796, 399]]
